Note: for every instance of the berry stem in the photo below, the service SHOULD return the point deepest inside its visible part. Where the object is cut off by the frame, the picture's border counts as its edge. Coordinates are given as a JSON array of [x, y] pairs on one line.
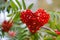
[[47, 28]]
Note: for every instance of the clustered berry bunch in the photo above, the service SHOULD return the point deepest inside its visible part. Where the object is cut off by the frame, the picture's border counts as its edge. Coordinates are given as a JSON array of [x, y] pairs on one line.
[[6, 25], [34, 20]]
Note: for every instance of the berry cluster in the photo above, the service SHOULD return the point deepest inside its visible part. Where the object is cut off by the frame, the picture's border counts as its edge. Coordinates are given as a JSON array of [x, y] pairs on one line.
[[57, 32], [42, 16], [6, 25], [34, 20]]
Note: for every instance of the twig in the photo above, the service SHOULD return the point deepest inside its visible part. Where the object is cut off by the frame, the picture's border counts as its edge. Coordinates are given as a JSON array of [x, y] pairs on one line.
[[47, 28]]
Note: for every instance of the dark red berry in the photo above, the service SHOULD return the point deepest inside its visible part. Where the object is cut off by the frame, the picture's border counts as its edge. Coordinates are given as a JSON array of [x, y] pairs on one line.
[[6, 25]]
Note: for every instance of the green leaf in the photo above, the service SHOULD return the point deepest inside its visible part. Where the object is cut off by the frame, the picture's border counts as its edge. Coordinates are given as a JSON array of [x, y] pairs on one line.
[[9, 15], [58, 38], [30, 6], [35, 36], [51, 33], [24, 5], [52, 25], [22, 34], [8, 10], [54, 19], [13, 5], [19, 4], [58, 27], [17, 16], [3, 33], [48, 38]]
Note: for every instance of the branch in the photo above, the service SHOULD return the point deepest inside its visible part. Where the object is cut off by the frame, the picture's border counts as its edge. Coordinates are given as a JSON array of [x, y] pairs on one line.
[[44, 27]]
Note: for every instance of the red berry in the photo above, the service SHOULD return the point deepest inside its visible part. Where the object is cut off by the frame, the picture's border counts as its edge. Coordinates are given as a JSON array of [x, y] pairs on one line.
[[34, 20], [12, 34], [42, 16], [26, 15], [57, 32], [6, 26]]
